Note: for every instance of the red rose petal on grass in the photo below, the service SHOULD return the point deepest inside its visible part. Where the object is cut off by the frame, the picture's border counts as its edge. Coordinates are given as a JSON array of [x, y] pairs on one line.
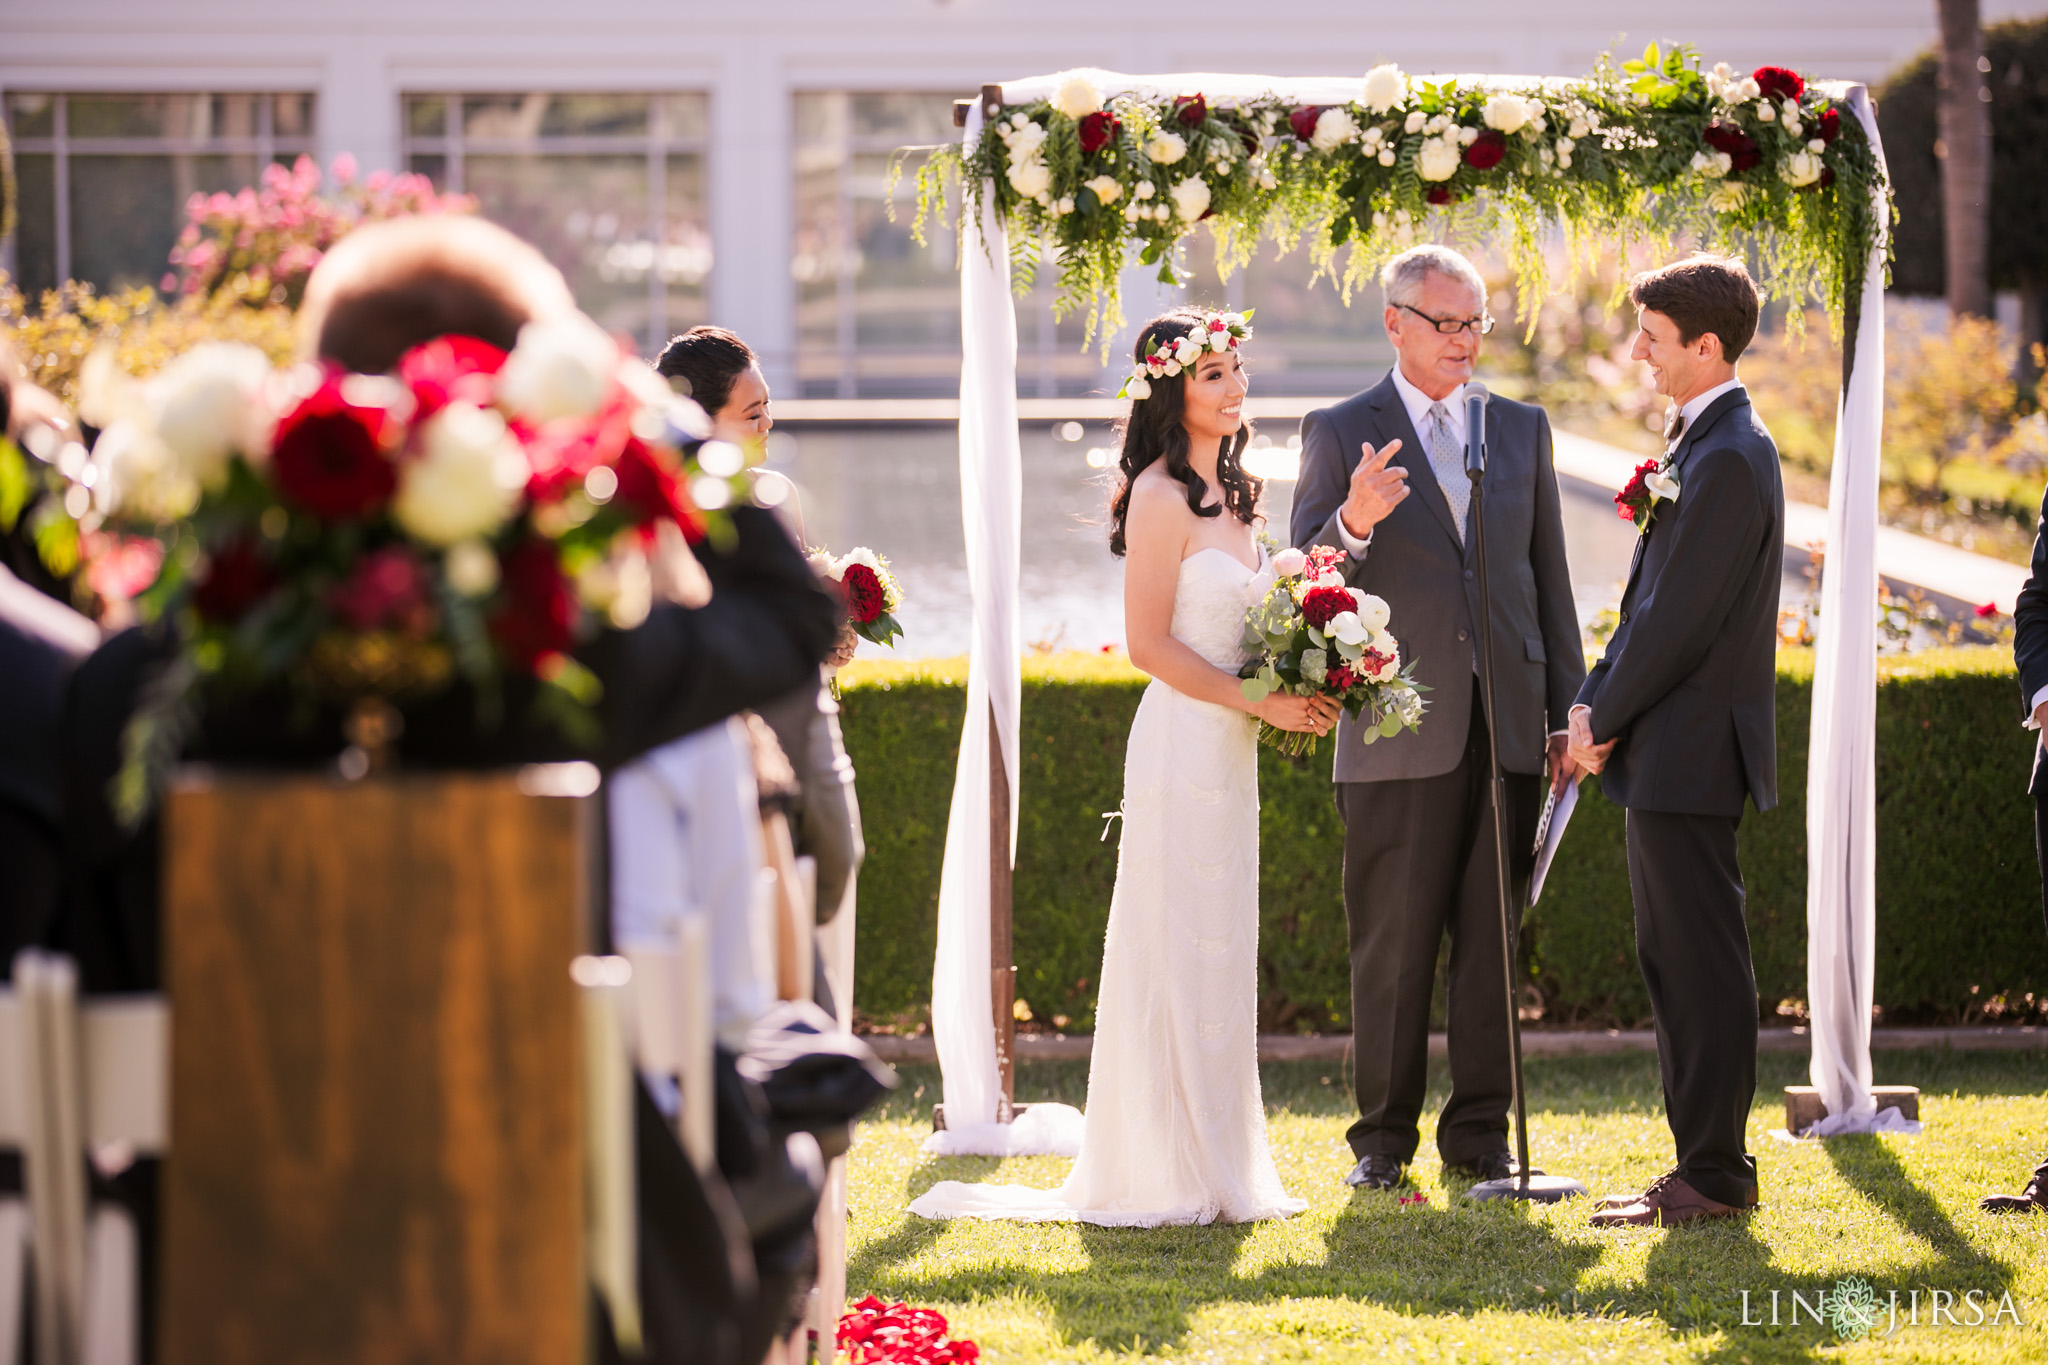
[[330, 455], [538, 614], [1303, 120], [1779, 83], [1320, 606], [449, 368], [1098, 130], [1190, 109], [1487, 150], [235, 579], [862, 588]]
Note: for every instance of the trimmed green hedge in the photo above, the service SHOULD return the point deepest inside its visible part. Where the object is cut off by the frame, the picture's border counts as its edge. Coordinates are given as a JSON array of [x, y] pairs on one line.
[[1959, 897]]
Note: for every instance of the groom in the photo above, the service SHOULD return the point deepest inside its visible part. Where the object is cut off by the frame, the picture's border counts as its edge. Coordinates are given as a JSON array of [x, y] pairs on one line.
[[1383, 478], [1680, 716]]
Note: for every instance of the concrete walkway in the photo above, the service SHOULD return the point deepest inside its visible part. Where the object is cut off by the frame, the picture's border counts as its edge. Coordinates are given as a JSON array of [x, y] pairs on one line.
[[1283, 1047]]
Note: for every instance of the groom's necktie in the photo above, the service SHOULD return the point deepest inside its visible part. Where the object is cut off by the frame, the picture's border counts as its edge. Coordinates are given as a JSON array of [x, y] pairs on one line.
[[1447, 458], [1674, 429]]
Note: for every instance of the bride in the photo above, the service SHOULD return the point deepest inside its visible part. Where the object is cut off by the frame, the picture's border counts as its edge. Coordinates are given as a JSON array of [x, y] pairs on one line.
[[1176, 1129]]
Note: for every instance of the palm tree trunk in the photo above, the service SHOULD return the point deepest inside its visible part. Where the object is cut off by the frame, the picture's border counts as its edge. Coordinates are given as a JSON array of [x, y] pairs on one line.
[[1964, 148]]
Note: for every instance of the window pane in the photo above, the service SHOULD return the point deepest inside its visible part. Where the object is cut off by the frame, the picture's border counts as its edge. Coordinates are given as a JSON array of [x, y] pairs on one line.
[[503, 116], [434, 168], [686, 249], [124, 219], [909, 119], [32, 115], [589, 115], [685, 117], [35, 233], [426, 116], [291, 117], [587, 214], [130, 115], [821, 116], [226, 116]]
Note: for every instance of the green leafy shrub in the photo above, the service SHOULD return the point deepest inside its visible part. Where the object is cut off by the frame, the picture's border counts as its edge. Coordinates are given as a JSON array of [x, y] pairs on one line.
[[1959, 899]]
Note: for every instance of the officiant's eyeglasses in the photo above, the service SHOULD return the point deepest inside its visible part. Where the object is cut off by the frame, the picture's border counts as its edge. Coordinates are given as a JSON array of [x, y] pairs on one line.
[[1450, 327]]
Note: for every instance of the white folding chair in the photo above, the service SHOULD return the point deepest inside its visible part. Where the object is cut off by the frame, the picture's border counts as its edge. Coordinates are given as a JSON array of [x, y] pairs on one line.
[[14, 1232], [611, 1234]]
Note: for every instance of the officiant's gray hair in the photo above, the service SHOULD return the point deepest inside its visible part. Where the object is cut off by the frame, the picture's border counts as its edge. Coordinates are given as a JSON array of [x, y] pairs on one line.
[[1403, 277]]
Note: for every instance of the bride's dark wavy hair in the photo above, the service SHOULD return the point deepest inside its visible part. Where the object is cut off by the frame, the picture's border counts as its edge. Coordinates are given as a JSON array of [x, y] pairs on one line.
[[1153, 432]]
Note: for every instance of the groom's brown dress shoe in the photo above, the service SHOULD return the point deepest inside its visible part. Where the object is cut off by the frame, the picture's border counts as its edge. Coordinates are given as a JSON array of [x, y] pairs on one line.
[[2033, 1199], [1666, 1203]]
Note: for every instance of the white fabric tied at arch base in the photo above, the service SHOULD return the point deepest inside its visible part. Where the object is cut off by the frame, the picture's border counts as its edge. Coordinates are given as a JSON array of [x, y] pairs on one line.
[[1885, 1120], [1038, 1130], [1841, 790]]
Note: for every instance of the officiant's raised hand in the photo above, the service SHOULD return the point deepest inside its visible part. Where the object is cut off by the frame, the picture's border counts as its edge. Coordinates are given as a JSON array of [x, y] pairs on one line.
[[1588, 755], [1375, 489]]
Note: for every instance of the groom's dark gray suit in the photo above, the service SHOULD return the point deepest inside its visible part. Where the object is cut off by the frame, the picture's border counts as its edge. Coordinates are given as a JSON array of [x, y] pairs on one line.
[[1418, 841], [1687, 685]]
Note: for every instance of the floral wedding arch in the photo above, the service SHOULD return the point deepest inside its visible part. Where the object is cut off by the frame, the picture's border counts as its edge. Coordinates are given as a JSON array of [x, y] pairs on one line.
[[1089, 173]]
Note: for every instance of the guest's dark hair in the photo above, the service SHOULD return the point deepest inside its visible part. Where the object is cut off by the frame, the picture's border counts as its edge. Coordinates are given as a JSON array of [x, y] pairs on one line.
[[1153, 431], [387, 287], [710, 360], [1702, 294]]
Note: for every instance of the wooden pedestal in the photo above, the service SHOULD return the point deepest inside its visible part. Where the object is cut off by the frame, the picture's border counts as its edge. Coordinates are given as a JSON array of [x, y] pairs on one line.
[[1803, 1107], [376, 1130]]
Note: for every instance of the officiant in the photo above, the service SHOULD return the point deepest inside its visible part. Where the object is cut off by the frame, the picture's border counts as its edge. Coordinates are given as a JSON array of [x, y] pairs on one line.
[[1383, 478]]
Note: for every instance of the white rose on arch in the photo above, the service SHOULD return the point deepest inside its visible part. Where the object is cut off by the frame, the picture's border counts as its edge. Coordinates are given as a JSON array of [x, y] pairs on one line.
[[1801, 168], [1191, 200], [1077, 97], [1165, 148], [563, 367], [1334, 128], [1030, 178], [1437, 159], [1107, 189], [208, 405], [1385, 86], [466, 480], [1506, 111]]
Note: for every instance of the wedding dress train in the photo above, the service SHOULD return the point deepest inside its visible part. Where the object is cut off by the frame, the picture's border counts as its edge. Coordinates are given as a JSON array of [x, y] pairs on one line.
[[1175, 1129]]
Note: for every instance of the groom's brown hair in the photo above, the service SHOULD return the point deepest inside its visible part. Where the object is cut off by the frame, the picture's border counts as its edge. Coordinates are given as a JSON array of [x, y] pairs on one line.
[[1703, 293]]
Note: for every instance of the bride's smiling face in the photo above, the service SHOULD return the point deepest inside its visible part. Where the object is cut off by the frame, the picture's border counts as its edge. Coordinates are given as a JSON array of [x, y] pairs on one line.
[[1213, 403]]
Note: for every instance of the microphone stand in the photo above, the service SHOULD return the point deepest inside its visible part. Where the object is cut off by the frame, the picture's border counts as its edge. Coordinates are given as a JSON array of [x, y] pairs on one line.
[[1527, 1185]]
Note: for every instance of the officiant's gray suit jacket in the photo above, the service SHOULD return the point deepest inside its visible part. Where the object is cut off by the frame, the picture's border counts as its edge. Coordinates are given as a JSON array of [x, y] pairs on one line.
[[1430, 582]]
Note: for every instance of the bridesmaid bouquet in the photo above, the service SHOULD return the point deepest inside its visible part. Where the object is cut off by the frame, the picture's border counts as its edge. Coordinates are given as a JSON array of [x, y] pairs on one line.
[[871, 592], [1312, 636]]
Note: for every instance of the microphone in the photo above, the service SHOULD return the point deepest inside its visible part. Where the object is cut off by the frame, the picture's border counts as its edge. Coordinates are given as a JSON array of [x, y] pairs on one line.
[[1476, 398]]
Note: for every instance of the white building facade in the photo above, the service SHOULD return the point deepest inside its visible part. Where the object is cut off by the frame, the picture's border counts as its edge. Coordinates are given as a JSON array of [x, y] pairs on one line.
[[687, 162]]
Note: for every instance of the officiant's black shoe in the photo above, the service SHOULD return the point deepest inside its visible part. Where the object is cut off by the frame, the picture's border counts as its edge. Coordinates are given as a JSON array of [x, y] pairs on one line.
[[1492, 1166], [2033, 1199], [1376, 1173]]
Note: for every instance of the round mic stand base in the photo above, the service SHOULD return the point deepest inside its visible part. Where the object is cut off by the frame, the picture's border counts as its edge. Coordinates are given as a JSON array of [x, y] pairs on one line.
[[1537, 1189]]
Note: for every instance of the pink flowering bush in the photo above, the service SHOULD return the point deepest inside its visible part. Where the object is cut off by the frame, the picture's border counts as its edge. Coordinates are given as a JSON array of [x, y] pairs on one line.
[[260, 244]]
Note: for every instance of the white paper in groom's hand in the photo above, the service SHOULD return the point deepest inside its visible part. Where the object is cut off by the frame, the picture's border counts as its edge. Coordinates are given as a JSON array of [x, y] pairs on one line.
[[1557, 813]]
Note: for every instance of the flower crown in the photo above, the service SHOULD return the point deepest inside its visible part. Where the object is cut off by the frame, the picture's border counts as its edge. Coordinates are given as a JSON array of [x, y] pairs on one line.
[[1215, 332]]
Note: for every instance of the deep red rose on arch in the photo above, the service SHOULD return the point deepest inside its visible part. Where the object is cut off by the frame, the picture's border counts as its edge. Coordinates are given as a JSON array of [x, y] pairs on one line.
[[1303, 120], [537, 615], [1826, 125], [1740, 146], [449, 369], [1827, 178], [1320, 606], [1487, 150], [331, 455], [1440, 194], [1098, 130], [1779, 83], [236, 578], [1190, 109], [1249, 137], [863, 592]]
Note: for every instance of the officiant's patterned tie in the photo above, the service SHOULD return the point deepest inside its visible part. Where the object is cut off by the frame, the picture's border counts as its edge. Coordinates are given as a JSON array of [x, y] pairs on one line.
[[1447, 458]]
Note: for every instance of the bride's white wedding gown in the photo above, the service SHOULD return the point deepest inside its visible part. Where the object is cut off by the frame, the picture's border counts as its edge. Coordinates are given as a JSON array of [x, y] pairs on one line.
[[1175, 1130]]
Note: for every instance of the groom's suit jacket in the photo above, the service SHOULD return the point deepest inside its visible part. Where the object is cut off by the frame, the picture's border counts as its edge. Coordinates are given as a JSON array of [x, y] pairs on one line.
[[2030, 641], [1688, 681], [1430, 582]]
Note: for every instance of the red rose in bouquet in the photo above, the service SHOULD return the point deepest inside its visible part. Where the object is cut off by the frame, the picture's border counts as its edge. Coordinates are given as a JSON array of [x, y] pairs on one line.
[[236, 578], [1310, 639], [538, 615], [1779, 83], [653, 489], [332, 456], [1320, 606], [1190, 109], [863, 590], [1740, 146], [388, 591], [449, 369], [1098, 130], [1303, 120], [1487, 150]]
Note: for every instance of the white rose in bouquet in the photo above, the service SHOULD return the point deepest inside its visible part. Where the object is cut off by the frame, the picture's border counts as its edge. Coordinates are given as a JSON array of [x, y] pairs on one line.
[[1030, 178], [466, 479], [1106, 188], [1346, 629], [140, 475], [1290, 563], [209, 405], [1385, 87], [1437, 159], [1191, 200], [563, 367], [1334, 128], [1506, 111], [472, 568], [1166, 148], [1077, 97], [1372, 610]]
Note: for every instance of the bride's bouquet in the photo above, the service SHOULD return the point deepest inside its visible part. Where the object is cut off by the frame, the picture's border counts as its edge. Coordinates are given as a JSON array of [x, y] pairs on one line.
[[1312, 636], [871, 592]]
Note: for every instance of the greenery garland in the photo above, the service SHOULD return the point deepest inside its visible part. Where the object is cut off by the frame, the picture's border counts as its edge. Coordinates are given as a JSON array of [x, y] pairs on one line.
[[1650, 150]]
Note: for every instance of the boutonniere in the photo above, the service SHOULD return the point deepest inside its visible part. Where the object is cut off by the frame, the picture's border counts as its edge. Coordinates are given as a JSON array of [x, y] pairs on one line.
[[1652, 483]]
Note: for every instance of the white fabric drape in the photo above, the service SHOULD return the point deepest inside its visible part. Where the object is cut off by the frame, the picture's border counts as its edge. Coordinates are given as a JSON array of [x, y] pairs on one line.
[[991, 494], [1841, 777]]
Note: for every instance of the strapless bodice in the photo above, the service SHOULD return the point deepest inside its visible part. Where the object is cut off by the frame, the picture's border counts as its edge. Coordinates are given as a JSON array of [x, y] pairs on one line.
[[1209, 604]]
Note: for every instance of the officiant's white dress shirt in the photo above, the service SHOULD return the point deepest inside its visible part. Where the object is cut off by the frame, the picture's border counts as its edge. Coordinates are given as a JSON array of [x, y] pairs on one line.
[[1418, 404]]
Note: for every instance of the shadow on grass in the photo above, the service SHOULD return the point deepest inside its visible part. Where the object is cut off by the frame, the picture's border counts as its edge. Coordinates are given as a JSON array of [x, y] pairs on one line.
[[1873, 1169]]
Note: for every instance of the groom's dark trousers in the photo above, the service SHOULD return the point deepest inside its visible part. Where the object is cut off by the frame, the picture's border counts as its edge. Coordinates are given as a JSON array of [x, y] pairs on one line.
[[1418, 832], [1687, 686]]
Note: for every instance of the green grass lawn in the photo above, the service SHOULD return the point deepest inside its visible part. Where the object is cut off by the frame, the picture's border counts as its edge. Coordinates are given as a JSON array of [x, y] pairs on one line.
[[1359, 1277]]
